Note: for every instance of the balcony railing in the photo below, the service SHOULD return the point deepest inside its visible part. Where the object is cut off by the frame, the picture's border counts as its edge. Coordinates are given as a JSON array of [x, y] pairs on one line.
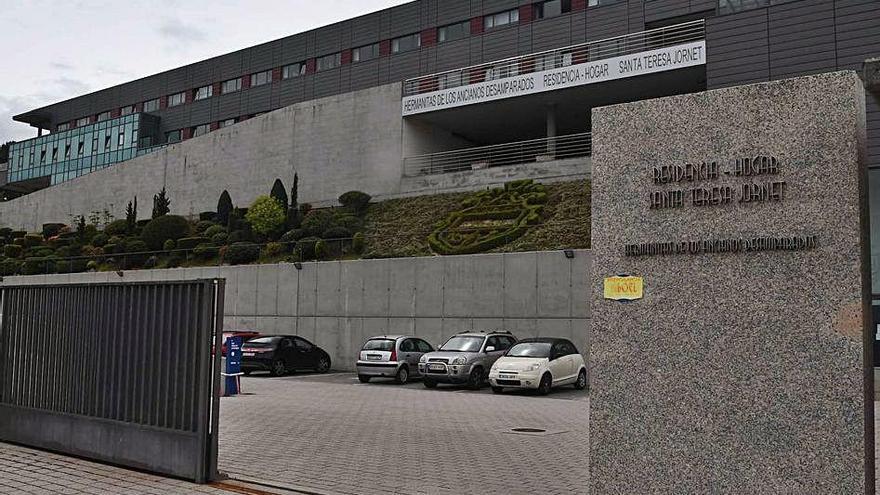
[[560, 57], [497, 155]]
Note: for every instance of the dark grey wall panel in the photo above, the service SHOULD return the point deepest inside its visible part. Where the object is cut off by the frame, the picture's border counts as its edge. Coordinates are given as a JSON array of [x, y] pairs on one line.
[[327, 40], [499, 43], [453, 54], [258, 99], [326, 83], [657, 10], [493, 6], [452, 12], [607, 21], [551, 33], [405, 19], [363, 75], [404, 66]]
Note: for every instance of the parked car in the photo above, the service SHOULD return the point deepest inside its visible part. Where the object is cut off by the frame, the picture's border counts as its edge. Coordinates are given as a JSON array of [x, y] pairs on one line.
[[244, 334], [540, 363], [391, 356], [280, 354], [465, 358]]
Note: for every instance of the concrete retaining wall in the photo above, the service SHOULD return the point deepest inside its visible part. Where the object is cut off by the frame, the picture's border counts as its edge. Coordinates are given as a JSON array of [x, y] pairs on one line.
[[339, 304]]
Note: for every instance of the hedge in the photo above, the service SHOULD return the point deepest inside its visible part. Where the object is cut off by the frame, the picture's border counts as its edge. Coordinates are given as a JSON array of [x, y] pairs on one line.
[[191, 242], [305, 248], [52, 229], [164, 228], [214, 230], [317, 221], [336, 233], [12, 250], [9, 267], [242, 253], [356, 201], [116, 227], [204, 225], [205, 251]]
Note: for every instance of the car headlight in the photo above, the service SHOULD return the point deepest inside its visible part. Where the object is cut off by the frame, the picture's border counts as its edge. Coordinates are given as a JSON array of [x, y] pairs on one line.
[[423, 359], [535, 367], [459, 360]]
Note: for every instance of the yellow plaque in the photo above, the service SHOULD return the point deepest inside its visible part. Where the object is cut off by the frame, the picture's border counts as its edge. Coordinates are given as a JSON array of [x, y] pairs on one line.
[[624, 288]]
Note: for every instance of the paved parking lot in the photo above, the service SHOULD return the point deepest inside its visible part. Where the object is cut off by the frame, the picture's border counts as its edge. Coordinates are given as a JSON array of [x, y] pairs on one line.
[[332, 434]]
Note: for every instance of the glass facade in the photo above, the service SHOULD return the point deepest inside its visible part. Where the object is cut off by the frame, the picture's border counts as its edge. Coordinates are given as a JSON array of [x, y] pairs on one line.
[[66, 155]]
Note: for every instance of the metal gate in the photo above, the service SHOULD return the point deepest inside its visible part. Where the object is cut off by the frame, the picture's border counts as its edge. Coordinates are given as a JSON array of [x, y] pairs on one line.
[[125, 373]]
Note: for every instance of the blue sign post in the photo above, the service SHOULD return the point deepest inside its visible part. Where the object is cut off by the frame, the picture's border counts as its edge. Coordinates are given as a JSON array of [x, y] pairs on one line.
[[233, 365]]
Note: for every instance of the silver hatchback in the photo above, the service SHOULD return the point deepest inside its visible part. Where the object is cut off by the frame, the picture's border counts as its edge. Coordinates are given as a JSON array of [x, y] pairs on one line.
[[391, 356]]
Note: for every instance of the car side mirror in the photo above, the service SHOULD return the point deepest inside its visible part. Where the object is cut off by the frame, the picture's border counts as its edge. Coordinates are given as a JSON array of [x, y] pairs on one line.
[[490, 349]]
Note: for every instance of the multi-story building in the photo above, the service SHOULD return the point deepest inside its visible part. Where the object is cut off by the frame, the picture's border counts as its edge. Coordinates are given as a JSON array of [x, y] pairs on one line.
[[429, 95]]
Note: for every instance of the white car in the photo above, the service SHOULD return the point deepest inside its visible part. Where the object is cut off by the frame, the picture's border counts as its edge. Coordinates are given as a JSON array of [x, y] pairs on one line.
[[539, 363]]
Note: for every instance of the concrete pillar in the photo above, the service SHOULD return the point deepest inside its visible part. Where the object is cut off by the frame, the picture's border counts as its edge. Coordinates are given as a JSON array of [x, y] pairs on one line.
[[551, 129]]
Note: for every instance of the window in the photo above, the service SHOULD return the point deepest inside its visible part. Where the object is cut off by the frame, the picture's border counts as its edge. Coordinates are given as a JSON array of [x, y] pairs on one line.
[[501, 71], [407, 346], [329, 61], [127, 110], [176, 99], [67, 151], [203, 92], [107, 142], [449, 80], [80, 148], [55, 154], [230, 86], [552, 61], [731, 6], [423, 346], [365, 53], [151, 105], [103, 116], [62, 127], [227, 123], [172, 137], [261, 78], [120, 140], [552, 8], [285, 343], [454, 32], [293, 70], [406, 43], [302, 344], [201, 130], [42, 157], [502, 19], [83, 121], [95, 145], [598, 3]]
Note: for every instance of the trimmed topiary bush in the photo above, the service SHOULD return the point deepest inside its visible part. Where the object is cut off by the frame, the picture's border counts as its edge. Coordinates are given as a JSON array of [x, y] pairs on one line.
[[12, 250], [214, 230], [163, 228], [18, 241], [321, 249], [239, 236], [52, 229], [77, 265], [31, 240], [273, 249], [38, 265], [242, 253], [205, 251], [42, 252], [204, 225], [100, 239], [191, 242], [92, 266], [336, 233], [358, 243], [111, 248], [266, 216], [17, 233], [116, 227], [169, 245], [305, 248], [207, 216], [317, 221], [9, 267], [291, 237], [220, 239], [350, 222], [151, 262], [355, 201]]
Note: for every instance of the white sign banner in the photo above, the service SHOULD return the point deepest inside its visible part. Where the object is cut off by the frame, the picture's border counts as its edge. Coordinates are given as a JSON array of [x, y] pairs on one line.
[[609, 69]]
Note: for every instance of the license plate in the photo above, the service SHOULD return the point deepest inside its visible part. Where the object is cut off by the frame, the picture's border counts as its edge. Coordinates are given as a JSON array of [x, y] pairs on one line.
[[247, 354], [436, 367], [506, 377], [373, 357]]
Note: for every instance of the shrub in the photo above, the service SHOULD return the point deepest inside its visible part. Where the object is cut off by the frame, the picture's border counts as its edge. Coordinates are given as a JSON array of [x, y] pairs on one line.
[[205, 251], [17, 233], [209, 216], [42, 252], [317, 221], [63, 252], [117, 239], [71, 266], [266, 216], [224, 208], [336, 233], [116, 227], [291, 237], [31, 240], [5, 233], [38, 265], [273, 249], [204, 225], [136, 246], [239, 236], [111, 248], [349, 222], [321, 249], [92, 251], [12, 250], [304, 209], [358, 243], [294, 219], [214, 230], [174, 260], [305, 248], [92, 266], [163, 228], [191, 242], [9, 267], [151, 262], [169, 245], [52, 229], [19, 241], [100, 239], [220, 239], [242, 252], [57, 242], [279, 193], [355, 201]]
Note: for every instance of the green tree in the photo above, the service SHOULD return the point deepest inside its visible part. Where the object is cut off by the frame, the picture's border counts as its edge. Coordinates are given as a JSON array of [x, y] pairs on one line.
[[4, 151], [161, 204], [294, 192], [279, 193], [131, 215], [266, 216], [224, 208]]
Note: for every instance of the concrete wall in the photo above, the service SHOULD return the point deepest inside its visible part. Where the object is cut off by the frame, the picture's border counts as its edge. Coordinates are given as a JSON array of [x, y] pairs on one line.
[[338, 305]]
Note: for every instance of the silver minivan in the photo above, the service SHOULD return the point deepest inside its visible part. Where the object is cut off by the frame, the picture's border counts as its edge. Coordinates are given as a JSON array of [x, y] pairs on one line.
[[391, 356]]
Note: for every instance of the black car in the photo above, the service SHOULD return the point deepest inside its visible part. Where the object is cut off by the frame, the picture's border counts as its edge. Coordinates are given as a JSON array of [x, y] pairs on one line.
[[280, 354]]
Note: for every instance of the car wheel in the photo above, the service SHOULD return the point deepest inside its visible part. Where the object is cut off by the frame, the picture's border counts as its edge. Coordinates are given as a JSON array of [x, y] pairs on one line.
[[402, 375], [364, 378], [497, 390], [278, 368], [475, 379], [581, 382], [429, 383], [323, 365], [546, 384]]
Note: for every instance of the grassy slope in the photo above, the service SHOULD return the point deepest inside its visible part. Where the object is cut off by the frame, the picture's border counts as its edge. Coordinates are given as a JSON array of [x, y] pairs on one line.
[[400, 227]]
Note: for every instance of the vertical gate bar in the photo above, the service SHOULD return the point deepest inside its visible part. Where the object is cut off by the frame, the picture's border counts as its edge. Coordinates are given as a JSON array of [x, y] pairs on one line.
[[182, 353], [16, 308], [128, 347], [80, 343], [97, 338], [167, 345], [159, 361], [195, 356], [5, 347], [218, 292], [62, 360], [37, 328], [140, 370], [146, 368]]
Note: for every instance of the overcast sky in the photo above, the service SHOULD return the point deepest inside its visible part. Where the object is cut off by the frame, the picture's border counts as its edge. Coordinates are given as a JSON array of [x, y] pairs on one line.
[[58, 49]]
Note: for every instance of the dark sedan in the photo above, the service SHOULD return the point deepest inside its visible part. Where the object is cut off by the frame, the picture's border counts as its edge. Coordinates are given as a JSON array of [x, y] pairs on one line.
[[281, 354]]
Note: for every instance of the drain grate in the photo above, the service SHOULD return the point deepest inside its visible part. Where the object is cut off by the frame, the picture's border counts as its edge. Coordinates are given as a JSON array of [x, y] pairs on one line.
[[533, 432], [527, 430]]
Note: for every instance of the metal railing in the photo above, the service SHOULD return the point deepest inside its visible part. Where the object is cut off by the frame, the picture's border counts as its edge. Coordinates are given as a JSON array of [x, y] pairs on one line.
[[497, 155], [559, 57]]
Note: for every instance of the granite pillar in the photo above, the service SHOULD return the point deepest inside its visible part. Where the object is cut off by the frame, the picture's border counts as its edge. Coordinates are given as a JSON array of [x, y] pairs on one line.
[[741, 369]]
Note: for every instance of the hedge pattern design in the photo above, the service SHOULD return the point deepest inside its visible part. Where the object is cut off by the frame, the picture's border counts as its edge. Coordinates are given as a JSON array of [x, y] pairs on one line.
[[490, 219]]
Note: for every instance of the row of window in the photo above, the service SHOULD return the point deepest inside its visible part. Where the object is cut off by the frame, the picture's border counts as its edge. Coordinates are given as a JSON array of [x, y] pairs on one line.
[[176, 136], [452, 32]]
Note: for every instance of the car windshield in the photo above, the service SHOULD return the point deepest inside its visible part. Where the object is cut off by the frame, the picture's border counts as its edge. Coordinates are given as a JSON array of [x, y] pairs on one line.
[[463, 344], [530, 350], [379, 345], [263, 341]]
